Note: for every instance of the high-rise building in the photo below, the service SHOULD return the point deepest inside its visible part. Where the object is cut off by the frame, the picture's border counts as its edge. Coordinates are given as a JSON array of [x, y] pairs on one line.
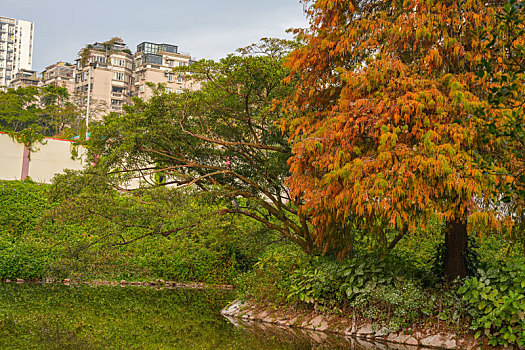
[[61, 74], [154, 63], [104, 77], [16, 48]]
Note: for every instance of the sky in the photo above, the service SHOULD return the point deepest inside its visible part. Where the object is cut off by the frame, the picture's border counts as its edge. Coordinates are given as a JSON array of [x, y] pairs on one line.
[[208, 29]]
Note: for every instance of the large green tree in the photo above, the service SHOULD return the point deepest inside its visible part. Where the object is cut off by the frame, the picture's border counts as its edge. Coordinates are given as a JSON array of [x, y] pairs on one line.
[[222, 137]]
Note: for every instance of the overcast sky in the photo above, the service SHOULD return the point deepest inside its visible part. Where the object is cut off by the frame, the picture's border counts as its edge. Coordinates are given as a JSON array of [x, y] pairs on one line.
[[204, 28]]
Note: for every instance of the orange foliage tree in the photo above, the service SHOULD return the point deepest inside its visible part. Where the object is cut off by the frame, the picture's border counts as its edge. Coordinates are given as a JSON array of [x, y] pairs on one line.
[[384, 126]]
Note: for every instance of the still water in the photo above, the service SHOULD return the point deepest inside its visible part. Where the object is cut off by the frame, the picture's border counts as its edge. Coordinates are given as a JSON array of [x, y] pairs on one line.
[[34, 316]]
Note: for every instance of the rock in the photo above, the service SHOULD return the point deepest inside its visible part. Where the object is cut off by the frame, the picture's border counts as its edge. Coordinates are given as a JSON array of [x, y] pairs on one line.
[[318, 323], [411, 341], [67, 280], [247, 314], [439, 341], [382, 333], [306, 323], [364, 331], [232, 309], [8, 281], [262, 317], [419, 335], [20, 280], [267, 319], [291, 322], [401, 338], [350, 331]]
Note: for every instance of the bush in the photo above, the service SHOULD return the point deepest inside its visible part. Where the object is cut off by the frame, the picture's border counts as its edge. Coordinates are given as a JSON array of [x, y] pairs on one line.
[[496, 303], [21, 262], [22, 203], [51, 231], [266, 282]]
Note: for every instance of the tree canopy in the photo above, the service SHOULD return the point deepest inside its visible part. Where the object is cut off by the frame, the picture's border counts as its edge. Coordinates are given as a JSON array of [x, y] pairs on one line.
[[222, 136], [385, 132], [503, 120], [31, 113]]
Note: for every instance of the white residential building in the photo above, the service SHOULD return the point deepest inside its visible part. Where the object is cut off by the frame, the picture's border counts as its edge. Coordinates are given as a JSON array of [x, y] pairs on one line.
[[16, 48]]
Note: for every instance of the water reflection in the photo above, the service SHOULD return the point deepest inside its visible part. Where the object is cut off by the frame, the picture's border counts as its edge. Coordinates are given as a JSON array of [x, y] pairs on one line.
[[295, 338], [34, 316]]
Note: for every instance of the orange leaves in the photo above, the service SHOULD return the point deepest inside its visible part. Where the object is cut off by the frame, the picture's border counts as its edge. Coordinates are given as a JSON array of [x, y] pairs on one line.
[[387, 95], [433, 60]]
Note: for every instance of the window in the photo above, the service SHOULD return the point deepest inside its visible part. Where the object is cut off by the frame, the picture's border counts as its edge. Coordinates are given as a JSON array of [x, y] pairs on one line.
[[171, 63], [100, 59], [169, 90], [170, 77], [179, 79], [119, 62], [182, 64], [118, 76]]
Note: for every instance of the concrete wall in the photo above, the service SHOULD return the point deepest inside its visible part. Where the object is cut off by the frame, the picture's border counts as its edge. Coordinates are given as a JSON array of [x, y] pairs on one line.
[[51, 158], [11, 158]]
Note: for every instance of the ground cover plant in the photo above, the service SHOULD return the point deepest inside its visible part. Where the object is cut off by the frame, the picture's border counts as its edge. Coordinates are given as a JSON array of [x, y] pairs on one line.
[[403, 292], [38, 240]]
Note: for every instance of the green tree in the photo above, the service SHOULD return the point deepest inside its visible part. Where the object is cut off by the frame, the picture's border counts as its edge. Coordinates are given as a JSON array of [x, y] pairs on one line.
[[31, 113], [223, 136]]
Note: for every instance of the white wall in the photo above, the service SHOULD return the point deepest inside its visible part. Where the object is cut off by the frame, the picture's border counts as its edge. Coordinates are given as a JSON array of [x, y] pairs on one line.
[[51, 158], [11, 156]]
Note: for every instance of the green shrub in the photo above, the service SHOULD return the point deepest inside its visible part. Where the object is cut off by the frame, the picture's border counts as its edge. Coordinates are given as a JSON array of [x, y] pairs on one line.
[[18, 263], [267, 280], [496, 303], [22, 203]]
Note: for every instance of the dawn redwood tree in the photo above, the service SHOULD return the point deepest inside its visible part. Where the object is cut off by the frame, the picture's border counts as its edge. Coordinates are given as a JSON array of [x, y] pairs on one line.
[[384, 132]]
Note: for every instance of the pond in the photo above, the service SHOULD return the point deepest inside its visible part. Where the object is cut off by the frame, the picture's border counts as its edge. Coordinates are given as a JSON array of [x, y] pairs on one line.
[[35, 316]]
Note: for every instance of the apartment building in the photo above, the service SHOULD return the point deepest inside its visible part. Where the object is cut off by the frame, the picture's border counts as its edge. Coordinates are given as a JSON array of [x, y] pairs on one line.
[[25, 78], [104, 77], [61, 74], [16, 48], [108, 75], [154, 63]]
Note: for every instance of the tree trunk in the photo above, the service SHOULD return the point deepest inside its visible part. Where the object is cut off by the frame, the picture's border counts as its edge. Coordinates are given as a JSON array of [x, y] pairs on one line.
[[456, 246]]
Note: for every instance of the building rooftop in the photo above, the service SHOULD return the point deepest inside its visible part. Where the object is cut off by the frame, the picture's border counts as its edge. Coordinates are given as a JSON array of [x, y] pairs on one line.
[[149, 47]]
